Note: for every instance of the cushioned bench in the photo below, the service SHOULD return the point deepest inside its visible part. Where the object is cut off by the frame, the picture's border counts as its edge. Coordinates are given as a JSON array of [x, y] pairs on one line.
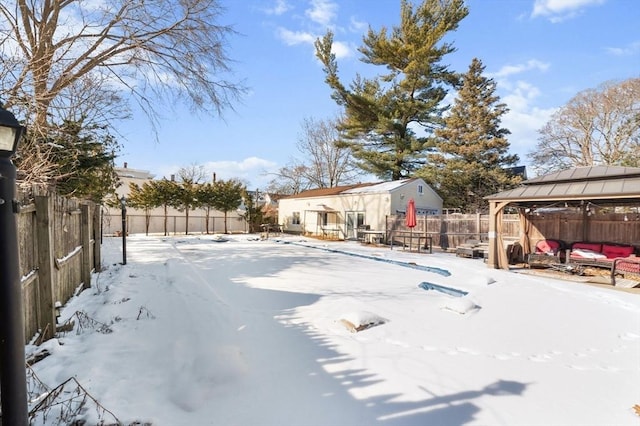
[[599, 254]]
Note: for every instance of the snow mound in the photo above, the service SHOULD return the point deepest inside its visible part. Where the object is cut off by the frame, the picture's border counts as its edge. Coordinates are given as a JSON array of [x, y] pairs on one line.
[[460, 305], [481, 280], [361, 320]]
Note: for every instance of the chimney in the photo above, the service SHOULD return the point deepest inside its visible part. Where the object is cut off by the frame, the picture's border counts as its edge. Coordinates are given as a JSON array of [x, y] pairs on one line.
[[173, 178], [214, 177], [125, 164]]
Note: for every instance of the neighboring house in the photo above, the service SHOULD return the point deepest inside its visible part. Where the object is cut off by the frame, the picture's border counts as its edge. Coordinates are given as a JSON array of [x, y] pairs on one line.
[[128, 176], [266, 202], [270, 207], [341, 210]]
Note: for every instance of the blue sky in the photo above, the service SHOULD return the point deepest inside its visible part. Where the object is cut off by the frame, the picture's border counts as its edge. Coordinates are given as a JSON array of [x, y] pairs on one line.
[[540, 52]]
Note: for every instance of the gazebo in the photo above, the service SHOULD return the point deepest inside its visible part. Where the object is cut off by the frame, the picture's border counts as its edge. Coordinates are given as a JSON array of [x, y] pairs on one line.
[[612, 186]]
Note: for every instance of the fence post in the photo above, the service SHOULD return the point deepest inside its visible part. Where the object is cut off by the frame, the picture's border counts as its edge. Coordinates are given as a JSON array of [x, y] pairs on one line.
[[85, 236], [97, 237], [46, 269]]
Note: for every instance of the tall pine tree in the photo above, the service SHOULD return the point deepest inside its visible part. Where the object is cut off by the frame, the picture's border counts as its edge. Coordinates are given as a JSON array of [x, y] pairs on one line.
[[381, 114], [471, 159]]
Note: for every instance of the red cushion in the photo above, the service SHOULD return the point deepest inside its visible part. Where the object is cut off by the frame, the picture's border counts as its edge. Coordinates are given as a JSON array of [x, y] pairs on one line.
[[587, 246], [547, 246], [613, 251], [631, 264]]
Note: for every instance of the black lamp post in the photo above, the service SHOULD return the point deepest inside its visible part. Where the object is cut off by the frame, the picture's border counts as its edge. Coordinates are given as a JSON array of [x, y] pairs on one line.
[[13, 375], [123, 206]]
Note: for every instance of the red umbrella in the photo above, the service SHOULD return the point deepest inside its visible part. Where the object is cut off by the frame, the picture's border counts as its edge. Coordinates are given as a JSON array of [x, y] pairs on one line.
[[410, 219]]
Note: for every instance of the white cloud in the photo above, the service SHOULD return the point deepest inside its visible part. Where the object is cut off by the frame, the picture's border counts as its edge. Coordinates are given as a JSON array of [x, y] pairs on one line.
[[628, 50], [250, 170], [341, 50], [524, 119], [322, 11], [508, 70], [292, 38], [279, 8], [560, 10], [357, 26]]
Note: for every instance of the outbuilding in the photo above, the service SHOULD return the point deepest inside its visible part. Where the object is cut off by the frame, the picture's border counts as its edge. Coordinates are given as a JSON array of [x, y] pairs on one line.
[[339, 212]]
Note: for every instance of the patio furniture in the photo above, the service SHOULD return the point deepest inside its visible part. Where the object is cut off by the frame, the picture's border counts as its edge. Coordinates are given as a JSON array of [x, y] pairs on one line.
[[629, 268], [408, 238], [472, 249], [546, 253], [371, 236]]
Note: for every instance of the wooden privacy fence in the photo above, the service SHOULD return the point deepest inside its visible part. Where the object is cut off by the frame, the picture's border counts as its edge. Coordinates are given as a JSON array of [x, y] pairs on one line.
[[59, 245], [450, 231]]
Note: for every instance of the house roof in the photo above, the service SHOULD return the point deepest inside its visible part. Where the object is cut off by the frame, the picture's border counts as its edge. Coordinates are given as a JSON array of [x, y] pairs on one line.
[[608, 184], [323, 192], [358, 188], [126, 172], [378, 187]]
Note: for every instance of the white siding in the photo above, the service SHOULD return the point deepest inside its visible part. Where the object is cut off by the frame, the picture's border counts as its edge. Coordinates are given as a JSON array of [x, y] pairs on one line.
[[374, 203]]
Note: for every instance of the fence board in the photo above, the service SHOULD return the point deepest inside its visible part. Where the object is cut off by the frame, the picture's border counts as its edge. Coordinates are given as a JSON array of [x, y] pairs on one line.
[[57, 252], [449, 231]]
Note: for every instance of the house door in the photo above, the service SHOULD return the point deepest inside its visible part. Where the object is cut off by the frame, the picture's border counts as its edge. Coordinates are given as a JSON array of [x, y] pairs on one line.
[[353, 221]]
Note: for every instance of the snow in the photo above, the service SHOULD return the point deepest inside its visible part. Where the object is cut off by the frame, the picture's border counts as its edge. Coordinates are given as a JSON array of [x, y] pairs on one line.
[[204, 330], [378, 187]]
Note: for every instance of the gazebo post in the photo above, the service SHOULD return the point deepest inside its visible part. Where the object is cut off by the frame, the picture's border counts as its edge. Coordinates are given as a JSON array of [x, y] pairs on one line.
[[497, 257]]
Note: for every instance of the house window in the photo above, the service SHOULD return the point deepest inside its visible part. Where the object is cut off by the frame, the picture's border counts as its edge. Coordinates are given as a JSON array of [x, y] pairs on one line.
[[420, 190], [295, 220]]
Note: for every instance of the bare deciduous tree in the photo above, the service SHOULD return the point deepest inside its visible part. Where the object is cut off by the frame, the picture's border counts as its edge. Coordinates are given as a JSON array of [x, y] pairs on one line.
[[71, 59], [164, 47], [289, 180], [597, 126], [327, 164], [324, 163]]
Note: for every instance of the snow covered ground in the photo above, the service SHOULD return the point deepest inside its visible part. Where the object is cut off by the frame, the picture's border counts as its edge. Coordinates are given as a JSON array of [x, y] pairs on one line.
[[200, 331]]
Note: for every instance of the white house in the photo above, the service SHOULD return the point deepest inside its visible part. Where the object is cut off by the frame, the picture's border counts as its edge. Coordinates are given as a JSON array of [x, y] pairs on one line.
[[339, 211]]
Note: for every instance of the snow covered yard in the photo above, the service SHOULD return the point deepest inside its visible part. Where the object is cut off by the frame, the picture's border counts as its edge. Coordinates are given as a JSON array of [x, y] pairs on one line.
[[249, 332]]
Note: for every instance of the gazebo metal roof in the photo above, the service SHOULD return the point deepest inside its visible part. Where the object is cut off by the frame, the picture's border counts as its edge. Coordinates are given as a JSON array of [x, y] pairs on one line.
[[607, 184]]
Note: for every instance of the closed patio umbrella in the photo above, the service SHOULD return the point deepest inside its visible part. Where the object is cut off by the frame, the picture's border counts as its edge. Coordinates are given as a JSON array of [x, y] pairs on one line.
[[410, 219]]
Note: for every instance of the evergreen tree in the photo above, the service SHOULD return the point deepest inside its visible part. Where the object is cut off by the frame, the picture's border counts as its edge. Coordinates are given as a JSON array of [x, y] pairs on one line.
[[472, 159], [228, 197], [254, 213], [143, 198], [84, 157], [165, 193], [186, 199], [381, 114], [206, 195], [187, 191]]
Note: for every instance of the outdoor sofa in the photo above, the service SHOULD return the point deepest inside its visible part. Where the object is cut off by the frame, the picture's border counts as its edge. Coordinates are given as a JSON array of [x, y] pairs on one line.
[[599, 254], [620, 259]]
